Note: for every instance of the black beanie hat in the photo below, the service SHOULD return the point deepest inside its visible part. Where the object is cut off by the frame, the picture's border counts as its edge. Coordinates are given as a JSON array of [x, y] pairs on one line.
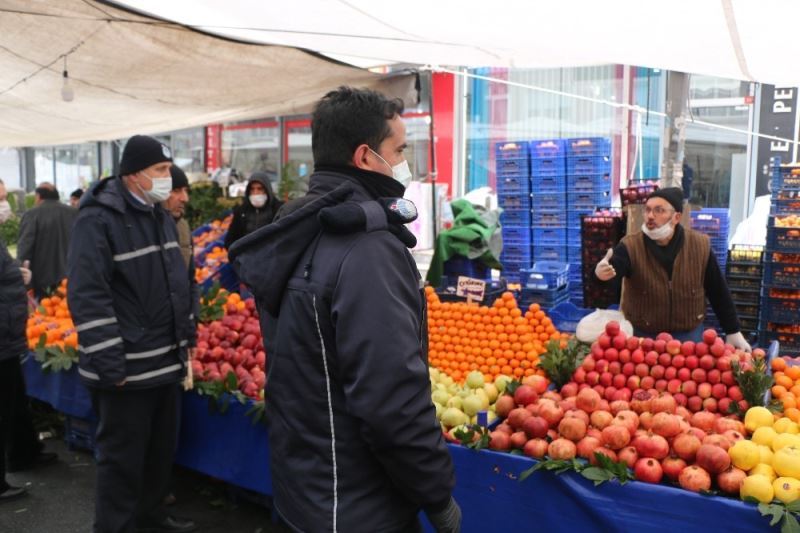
[[674, 195], [179, 179], [141, 152]]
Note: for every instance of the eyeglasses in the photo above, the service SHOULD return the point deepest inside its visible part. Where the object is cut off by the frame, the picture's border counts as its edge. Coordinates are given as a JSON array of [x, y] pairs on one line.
[[658, 211]]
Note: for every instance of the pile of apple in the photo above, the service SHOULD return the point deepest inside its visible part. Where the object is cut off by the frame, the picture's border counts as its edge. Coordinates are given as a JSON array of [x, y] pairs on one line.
[[652, 434], [699, 375], [233, 344]]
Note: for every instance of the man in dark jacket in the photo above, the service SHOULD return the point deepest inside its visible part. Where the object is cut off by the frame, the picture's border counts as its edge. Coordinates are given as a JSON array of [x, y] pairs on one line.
[[44, 238], [257, 209], [130, 300], [353, 436]]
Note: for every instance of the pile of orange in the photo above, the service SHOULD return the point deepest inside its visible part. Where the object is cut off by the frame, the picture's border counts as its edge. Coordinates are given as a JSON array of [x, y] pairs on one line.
[[217, 257], [496, 340], [787, 387], [53, 320], [218, 229]]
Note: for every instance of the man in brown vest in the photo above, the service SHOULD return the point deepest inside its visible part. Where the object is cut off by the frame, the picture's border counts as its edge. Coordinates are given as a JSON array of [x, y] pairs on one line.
[[667, 273]]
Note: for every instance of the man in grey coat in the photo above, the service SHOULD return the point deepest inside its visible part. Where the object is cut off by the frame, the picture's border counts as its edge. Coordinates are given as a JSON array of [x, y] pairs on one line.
[[44, 239]]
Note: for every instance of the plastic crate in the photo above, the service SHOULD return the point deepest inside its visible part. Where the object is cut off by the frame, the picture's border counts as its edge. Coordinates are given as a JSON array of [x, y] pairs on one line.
[[785, 177], [598, 164], [549, 253], [515, 217], [458, 265], [200, 257], [545, 275], [748, 324], [513, 183], [745, 297], [574, 254], [511, 150], [742, 283], [548, 148], [550, 184], [549, 218], [711, 221], [549, 236], [545, 298], [785, 206], [783, 239], [588, 199], [549, 200], [574, 216], [226, 277], [786, 275], [566, 316], [514, 200], [589, 182], [517, 235], [80, 433], [781, 310], [511, 269], [751, 255], [513, 165], [548, 166], [771, 256], [200, 230], [745, 270], [790, 342], [516, 253], [588, 146]]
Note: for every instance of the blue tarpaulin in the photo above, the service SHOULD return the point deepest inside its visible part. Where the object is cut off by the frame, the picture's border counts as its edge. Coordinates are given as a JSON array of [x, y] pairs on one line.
[[63, 390]]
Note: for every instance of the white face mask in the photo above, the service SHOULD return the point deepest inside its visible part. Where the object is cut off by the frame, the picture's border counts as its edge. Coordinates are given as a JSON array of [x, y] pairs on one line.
[[400, 172], [160, 190], [662, 232], [258, 200]]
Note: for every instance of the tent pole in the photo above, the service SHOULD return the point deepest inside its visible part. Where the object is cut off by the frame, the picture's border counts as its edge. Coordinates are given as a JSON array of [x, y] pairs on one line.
[[433, 170]]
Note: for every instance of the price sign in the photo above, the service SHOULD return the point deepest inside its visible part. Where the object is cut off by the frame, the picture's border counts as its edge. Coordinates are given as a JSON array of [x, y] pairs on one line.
[[471, 288]]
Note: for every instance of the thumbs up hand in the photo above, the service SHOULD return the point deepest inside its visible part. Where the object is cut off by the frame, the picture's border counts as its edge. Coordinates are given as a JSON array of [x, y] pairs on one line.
[[604, 271]]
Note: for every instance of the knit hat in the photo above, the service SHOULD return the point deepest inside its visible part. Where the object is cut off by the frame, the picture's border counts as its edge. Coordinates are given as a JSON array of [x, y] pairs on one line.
[[179, 179], [141, 152], [673, 195]]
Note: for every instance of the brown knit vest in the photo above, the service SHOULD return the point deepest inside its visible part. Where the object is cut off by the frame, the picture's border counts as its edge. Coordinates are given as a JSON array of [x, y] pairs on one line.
[[654, 304]]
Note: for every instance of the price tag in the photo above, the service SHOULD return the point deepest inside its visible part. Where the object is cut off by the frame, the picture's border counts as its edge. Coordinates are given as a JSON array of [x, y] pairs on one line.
[[470, 288]]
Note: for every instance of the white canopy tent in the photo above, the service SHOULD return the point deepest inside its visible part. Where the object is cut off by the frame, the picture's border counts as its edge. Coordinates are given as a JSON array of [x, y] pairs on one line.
[[133, 74]]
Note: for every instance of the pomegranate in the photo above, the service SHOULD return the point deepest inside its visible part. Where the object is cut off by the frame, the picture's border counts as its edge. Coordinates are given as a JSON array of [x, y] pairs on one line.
[[733, 436], [731, 480], [666, 425], [629, 455], [628, 419], [720, 441], [586, 447], [536, 448], [535, 427], [552, 413], [518, 440], [577, 413], [646, 420], [517, 416], [499, 440], [619, 405], [573, 429], [601, 419], [603, 451], [648, 470], [695, 479], [505, 428], [567, 404], [713, 459], [533, 409], [650, 445], [524, 395], [588, 400], [663, 404], [569, 390], [703, 420], [723, 424], [640, 401], [686, 445], [504, 405], [562, 449], [549, 395], [673, 466], [596, 433], [616, 437]]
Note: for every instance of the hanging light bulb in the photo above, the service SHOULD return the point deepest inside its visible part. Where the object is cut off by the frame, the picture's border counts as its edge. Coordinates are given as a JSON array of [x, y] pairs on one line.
[[67, 92]]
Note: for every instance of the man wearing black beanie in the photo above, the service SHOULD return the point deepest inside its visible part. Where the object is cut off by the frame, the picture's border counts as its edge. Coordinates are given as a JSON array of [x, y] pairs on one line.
[[667, 273], [130, 299]]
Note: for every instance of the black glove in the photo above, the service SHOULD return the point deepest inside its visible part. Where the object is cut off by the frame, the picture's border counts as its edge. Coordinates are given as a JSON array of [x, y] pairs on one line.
[[448, 520]]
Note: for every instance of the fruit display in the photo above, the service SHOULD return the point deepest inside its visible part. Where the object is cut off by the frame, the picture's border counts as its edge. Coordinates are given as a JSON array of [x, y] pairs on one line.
[[496, 340], [211, 261], [788, 221], [50, 323], [214, 231], [638, 193], [230, 349]]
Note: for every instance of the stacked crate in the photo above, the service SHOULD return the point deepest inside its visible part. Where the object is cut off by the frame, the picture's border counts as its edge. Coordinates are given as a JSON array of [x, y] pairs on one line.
[[549, 202], [715, 223], [599, 233], [588, 187], [744, 274], [780, 295], [514, 197], [545, 284]]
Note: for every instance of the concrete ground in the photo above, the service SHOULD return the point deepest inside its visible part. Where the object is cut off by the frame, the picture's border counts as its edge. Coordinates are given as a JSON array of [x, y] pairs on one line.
[[61, 500]]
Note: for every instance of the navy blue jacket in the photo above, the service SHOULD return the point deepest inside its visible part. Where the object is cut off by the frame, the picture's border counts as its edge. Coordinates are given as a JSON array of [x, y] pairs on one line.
[[354, 441], [13, 307], [128, 291]]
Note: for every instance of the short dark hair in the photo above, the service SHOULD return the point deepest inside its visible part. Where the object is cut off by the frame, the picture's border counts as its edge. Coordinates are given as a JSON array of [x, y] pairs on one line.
[[47, 192], [77, 193], [346, 118]]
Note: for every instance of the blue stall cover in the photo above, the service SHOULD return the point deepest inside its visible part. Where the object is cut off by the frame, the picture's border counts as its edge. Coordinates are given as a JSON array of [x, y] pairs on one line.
[[224, 446], [63, 390]]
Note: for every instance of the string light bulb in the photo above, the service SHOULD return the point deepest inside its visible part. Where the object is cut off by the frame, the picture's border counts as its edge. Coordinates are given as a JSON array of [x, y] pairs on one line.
[[67, 92]]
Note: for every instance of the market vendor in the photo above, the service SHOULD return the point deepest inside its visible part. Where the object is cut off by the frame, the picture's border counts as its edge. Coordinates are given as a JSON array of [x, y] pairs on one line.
[[257, 209], [667, 272]]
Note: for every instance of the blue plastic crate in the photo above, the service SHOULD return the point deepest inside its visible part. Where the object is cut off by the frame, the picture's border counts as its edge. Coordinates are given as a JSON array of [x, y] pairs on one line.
[[548, 148], [745, 297], [513, 165], [574, 254], [789, 342], [544, 166], [544, 297], [226, 277], [549, 218], [511, 150], [511, 269], [549, 253], [515, 217], [588, 146], [519, 235], [548, 236], [516, 253], [514, 183], [588, 199], [200, 257], [780, 310], [566, 316], [458, 265], [784, 275], [711, 221], [554, 184], [783, 204], [545, 275], [589, 182], [202, 229], [785, 178], [597, 164], [549, 200], [574, 217], [783, 240], [514, 200]]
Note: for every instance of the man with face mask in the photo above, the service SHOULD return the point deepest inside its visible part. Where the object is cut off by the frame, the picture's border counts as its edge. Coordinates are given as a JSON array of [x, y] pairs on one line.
[[258, 208], [130, 300], [667, 273], [343, 319]]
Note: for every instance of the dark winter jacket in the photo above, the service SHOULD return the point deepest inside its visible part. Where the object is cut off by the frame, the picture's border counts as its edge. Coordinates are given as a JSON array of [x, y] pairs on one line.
[[354, 441], [13, 307], [128, 291], [44, 234], [248, 218]]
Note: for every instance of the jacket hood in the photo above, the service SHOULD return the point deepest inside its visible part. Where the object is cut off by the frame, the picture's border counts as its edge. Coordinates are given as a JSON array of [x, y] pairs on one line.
[[264, 179], [266, 258], [111, 193]]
